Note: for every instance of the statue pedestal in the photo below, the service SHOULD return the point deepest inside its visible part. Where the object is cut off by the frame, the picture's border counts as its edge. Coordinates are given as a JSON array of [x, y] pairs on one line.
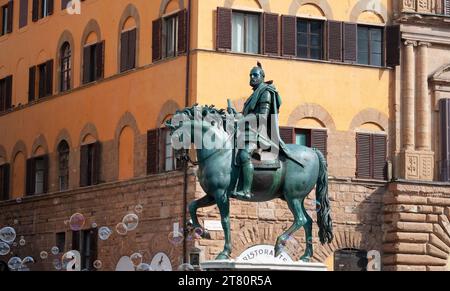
[[230, 265]]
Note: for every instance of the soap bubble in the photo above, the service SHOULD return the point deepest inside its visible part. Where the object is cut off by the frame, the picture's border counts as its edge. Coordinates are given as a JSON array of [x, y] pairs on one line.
[[98, 264], [176, 238], [138, 208], [55, 250], [22, 242], [131, 221], [19, 200], [16, 221], [4, 249], [14, 244], [14, 263], [27, 260], [94, 225], [7, 234], [104, 233], [144, 267], [57, 264], [136, 258], [121, 228], [43, 255], [198, 232], [77, 221]]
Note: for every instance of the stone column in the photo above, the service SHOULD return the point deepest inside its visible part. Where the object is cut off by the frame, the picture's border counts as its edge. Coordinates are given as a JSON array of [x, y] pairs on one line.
[[409, 96], [423, 100]]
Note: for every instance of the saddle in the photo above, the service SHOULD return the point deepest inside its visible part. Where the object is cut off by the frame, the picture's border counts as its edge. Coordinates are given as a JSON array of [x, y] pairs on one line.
[[264, 160]]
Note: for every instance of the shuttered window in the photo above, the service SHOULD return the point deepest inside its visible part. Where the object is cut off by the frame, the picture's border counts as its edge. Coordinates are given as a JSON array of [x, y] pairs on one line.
[[4, 181], [23, 13], [90, 159], [169, 36], [128, 50], [314, 138], [93, 62], [5, 93], [310, 39], [245, 32], [63, 165], [37, 175], [288, 35], [223, 28], [160, 153], [370, 45], [86, 242], [393, 45], [66, 67], [40, 81], [335, 40], [444, 137], [42, 8], [6, 18], [371, 153], [350, 42]]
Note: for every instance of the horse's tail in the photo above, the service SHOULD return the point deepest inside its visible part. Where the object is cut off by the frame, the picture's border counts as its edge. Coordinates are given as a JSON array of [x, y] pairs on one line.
[[324, 214]]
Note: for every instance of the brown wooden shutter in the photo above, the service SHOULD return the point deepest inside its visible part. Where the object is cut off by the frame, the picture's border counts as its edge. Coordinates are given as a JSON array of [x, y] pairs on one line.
[[350, 42], [379, 145], [223, 28], [182, 31], [100, 51], [288, 35], [23, 13], [86, 64], [49, 78], [132, 39], [35, 12], [156, 39], [363, 157], [8, 96], [46, 177], [84, 165], [271, 33], [334, 40], [152, 151], [50, 7], [447, 7], [9, 25], [32, 84], [97, 163], [319, 139], [4, 181], [124, 51], [31, 177], [444, 116], [287, 134], [393, 43]]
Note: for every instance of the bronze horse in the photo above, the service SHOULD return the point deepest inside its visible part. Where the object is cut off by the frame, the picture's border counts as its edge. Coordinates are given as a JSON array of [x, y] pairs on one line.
[[218, 176]]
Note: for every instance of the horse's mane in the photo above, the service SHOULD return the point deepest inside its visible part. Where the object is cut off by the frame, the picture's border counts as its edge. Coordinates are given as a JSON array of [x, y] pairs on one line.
[[205, 110]]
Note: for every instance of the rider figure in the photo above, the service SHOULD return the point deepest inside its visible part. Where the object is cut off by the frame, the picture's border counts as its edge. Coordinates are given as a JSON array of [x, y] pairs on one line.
[[259, 106]]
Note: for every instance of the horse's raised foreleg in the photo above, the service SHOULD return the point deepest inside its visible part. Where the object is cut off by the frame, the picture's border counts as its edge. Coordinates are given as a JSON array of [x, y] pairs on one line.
[[223, 203], [295, 205], [308, 232], [194, 206]]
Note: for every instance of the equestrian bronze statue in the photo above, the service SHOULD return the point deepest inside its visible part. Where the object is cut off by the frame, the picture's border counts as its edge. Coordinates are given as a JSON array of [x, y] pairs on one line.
[[241, 156]]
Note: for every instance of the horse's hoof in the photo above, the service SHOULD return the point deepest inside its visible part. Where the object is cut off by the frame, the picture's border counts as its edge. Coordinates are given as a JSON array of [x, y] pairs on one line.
[[223, 256]]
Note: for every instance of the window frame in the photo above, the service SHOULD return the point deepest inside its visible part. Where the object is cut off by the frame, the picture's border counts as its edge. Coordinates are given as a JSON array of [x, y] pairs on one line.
[[63, 152], [309, 34], [260, 38], [369, 42], [5, 20], [174, 18], [65, 67]]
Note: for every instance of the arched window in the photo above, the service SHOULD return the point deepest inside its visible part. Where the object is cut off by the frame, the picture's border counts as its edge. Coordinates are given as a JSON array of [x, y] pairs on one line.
[[63, 165], [66, 67], [128, 45]]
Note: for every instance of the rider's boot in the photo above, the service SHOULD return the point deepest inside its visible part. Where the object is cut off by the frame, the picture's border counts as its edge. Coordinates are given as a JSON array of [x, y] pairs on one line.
[[247, 171]]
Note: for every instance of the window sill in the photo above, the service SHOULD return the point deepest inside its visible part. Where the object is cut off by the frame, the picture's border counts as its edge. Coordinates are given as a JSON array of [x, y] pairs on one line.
[[280, 57]]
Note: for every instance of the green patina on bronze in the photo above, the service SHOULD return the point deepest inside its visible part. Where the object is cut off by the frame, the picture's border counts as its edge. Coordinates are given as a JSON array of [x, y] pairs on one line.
[[290, 176]]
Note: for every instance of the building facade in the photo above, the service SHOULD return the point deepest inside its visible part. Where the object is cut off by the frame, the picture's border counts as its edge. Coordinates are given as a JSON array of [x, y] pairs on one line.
[[85, 90]]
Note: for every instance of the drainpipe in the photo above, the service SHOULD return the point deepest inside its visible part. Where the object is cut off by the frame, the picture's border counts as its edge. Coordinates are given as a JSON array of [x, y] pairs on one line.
[[186, 177]]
